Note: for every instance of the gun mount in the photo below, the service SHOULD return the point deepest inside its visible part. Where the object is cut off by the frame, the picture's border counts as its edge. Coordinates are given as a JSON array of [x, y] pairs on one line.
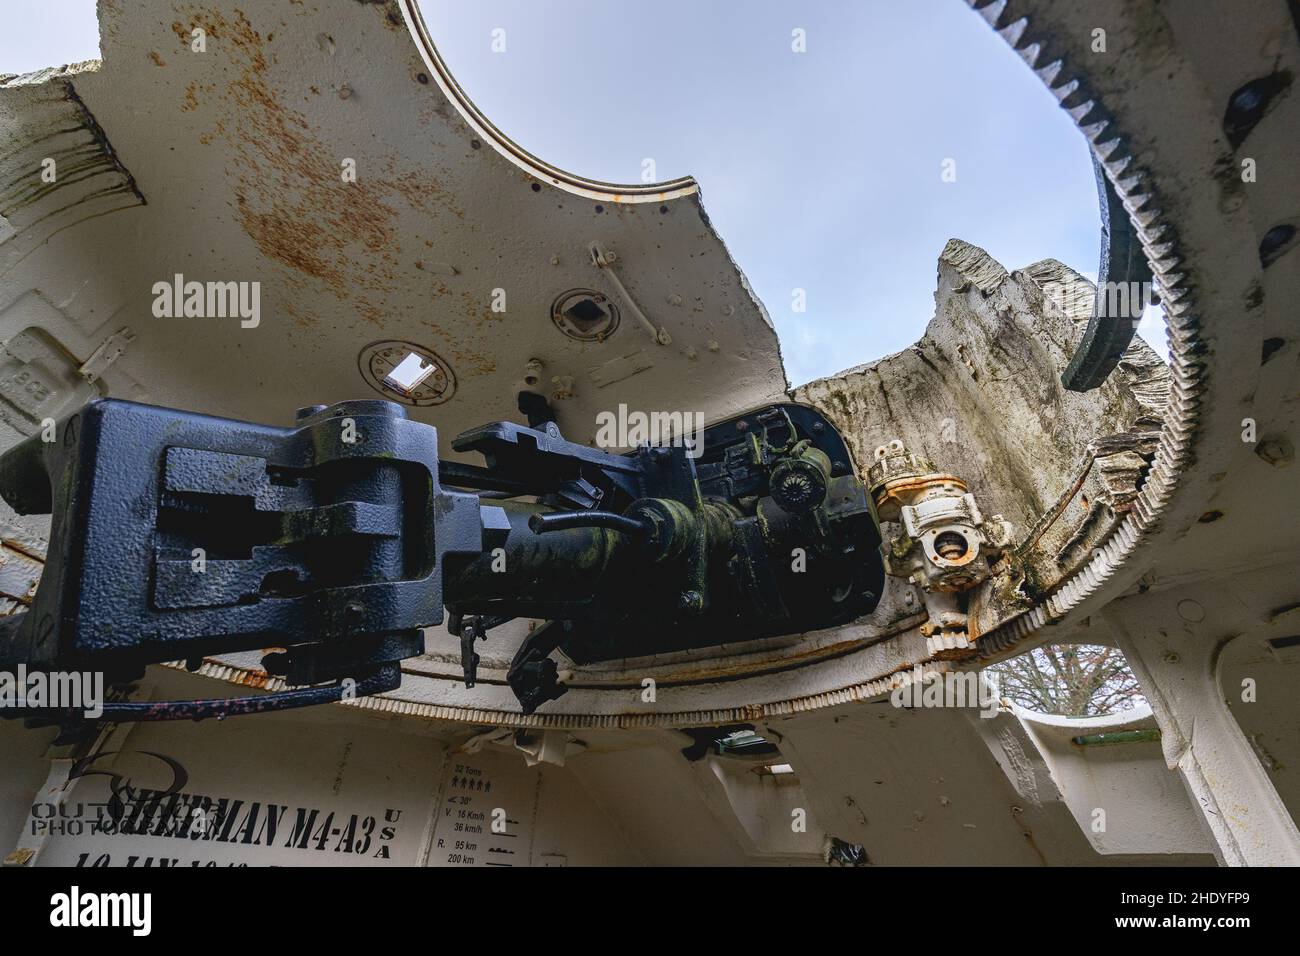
[[331, 544]]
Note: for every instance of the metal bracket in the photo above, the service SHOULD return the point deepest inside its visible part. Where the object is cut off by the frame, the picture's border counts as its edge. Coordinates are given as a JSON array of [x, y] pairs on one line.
[[604, 260]]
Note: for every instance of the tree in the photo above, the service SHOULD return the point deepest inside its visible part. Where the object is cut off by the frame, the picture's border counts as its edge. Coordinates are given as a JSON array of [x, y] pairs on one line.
[[1070, 680]]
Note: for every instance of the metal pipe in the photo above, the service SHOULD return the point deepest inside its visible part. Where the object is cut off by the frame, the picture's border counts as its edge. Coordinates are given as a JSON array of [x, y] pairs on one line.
[[562, 520]]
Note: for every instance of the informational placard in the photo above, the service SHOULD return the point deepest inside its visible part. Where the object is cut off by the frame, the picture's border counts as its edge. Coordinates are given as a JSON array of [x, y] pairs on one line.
[[273, 790], [486, 811]]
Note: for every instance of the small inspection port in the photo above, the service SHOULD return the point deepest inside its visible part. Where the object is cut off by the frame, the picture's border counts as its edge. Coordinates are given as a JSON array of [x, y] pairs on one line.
[[409, 374], [585, 315]]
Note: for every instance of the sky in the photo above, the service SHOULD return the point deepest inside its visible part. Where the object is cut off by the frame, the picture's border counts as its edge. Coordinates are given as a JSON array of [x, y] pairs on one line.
[[821, 169]]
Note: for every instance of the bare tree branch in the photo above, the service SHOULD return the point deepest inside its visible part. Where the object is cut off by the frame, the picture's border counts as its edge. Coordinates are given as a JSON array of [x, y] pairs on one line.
[[1070, 680]]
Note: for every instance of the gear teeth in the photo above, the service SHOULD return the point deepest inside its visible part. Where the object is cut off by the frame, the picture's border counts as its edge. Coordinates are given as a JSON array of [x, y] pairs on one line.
[[1049, 73], [1139, 200], [1104, 151], [1065, 90], [1117, 168], [1162, 266], [1144, 217], [1159, 241], [949, 644], [1162, 271], [992, 13], [1081, 111], [1012, 32], [1128, 184], [1093, 130], [1171, 294]]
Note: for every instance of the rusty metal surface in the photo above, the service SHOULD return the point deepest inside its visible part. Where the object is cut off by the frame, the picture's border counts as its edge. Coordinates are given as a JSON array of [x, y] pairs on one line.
[[240, 150]]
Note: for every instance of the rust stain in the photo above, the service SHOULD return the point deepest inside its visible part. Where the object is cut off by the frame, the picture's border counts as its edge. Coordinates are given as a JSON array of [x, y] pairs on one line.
[[290, 308], [372, 313], [183, 32], [420, 191], [291, 197], [158, 60], [477, 363], [289, 240]]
